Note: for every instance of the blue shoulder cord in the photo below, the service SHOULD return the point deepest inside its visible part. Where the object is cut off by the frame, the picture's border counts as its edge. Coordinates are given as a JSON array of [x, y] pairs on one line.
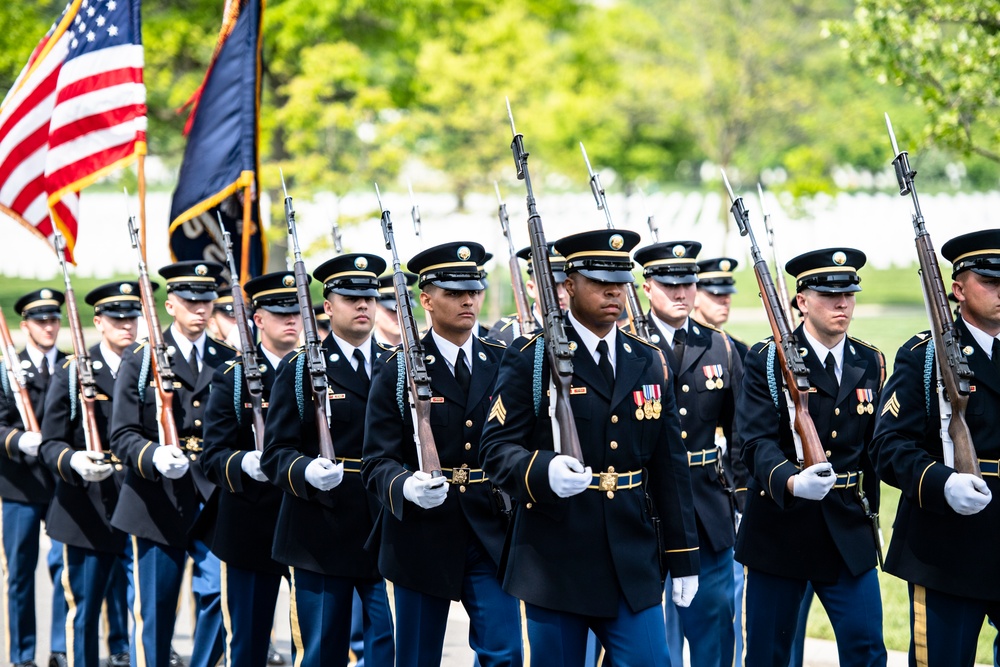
[[772, 381], [72, 390], [928, 370], [237, 388], [143, 374], [536, 375], [300, 365], [400, 385]]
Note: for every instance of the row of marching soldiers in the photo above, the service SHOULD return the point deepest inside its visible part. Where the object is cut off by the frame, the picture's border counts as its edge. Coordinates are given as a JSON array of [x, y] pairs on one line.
[[682, 435]]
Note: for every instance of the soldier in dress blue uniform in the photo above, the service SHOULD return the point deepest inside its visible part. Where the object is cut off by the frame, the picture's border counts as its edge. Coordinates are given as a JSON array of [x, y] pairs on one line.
[[26, 485], [506, 329], [87, 483], [326, 515], [441, 540], [716, 287], [247, 512], [810, 525], [165, 487], [583, 549], [946, 533], [707, 372]]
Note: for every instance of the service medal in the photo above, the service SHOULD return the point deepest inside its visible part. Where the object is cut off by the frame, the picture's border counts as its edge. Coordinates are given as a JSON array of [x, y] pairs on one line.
[[639, 414], [870, 409], [861, 409], [648, 410], [654, 393], [718, 383], [710, 383], [639, 399]]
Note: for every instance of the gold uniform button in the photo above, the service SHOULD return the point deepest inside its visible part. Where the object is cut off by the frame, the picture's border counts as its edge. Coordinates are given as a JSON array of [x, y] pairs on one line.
[[762, 494], [462, 488], [193, 457], [611, 494], [684, 435], [685, 388], [614, 444], [836, 411], [611, 468], [196, 404], [683, 411], [614, 419], [828, 453], [118, 466], [468, 423], [468, 446], [527, 506], [833, 435], [197, 423]]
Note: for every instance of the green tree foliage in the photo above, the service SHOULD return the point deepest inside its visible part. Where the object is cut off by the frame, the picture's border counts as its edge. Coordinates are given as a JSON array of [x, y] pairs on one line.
[[944, 53]]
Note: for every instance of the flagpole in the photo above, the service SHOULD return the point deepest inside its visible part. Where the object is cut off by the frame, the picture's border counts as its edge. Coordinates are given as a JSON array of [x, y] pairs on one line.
[[141, 167], [247, 234]]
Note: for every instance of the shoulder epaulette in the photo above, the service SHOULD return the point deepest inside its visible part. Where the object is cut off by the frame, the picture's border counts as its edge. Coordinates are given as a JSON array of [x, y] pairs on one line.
[[764, 344], [531, 340], [68, 360], [638, 339], [223, 344], [492, 342], [140, 346], [393, 355], [231, 363], [923, 338], [383, 346], [296, 355], [707, 326], [507, 322], [864, 342]]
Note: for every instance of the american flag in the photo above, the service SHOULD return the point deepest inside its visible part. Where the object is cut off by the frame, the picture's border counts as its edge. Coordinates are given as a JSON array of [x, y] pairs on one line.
[[76, 112]]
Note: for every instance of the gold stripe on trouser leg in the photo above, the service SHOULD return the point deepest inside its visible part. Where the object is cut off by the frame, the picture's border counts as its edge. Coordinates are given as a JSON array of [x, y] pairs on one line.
[[71, 607], [6, 591], [227, 619], [743, 625], [920, 625], [140, 647], [524, 633], [293, 618], [390, 596]]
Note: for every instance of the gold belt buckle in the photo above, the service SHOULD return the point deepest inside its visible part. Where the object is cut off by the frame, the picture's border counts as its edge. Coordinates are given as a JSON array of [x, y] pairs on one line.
[[460, 475], [609, 481]]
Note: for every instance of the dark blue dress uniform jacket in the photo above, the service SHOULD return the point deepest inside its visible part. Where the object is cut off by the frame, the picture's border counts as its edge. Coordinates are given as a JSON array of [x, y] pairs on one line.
[[792, 537], [582, 554], [246, 511], [151, 506], [320, 531], [24, 479], [931, 545], [701, 411], [425, 550], [80, 513]]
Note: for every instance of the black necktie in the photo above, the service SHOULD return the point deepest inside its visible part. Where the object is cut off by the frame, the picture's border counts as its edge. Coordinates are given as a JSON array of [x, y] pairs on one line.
[[996, 354], [193, 361], [462, 374], [831, 368], [43, 371], [680, 336], [604, 363], [360, 370]]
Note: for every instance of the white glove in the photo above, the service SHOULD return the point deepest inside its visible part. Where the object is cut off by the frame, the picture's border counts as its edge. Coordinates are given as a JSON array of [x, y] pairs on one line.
[[324, 474], [720, 441], [90, 465], [170, 461], [684, 590], [28, 443], [966, 494], [810, 485], [425, 491], [568, 477], [251, 466]]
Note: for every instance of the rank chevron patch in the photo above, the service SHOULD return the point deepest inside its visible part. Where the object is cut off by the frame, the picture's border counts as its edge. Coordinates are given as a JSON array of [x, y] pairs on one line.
[[498, 411], [892, 405]]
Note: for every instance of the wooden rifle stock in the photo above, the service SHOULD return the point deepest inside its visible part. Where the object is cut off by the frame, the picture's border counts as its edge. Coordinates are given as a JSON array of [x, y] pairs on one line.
[[525, 320], [953, 368], [557, 349], [16, 379], [638, 321], [412, 356], [84, 368], [315, 363], [248, 350], [795, 375], [159, 359]]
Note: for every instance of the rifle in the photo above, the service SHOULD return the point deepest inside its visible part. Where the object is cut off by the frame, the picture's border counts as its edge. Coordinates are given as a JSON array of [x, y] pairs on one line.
[[794, 374], [415, 215], [314, 347], [338, 242], [16, 379], [954, 373], [654, 231], [557, 349], [525, 320], [412, 357], [84, 368], [786, 302], [248, 351], [159, 360], [636, 316]]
